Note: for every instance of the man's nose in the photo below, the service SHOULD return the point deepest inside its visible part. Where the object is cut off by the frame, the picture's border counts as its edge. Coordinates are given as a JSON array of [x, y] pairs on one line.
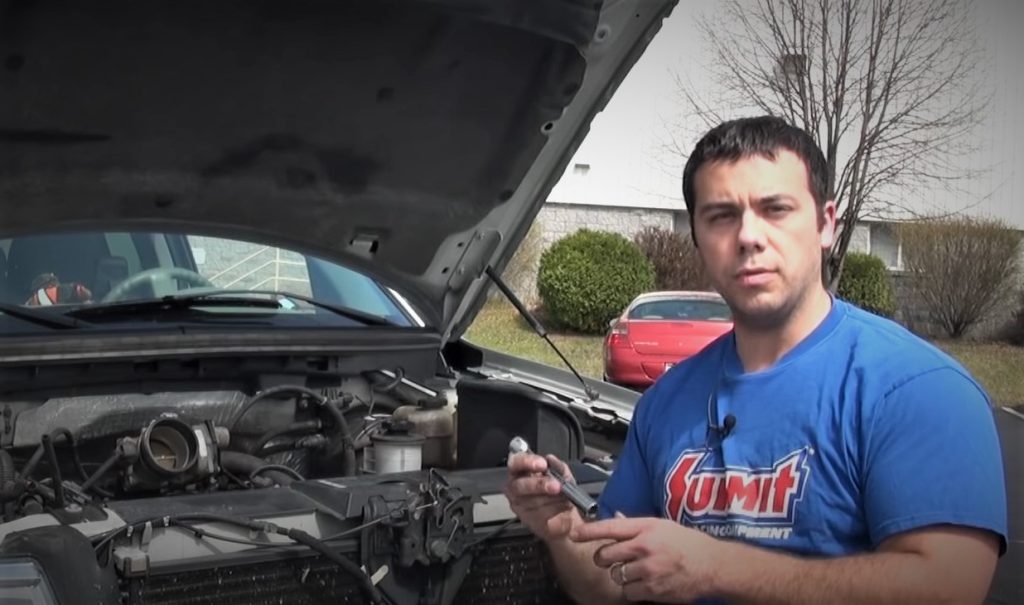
[[751, 236]]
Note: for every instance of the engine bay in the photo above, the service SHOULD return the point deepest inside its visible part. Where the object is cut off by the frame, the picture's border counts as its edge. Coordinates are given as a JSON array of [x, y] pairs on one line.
[[392, 485]]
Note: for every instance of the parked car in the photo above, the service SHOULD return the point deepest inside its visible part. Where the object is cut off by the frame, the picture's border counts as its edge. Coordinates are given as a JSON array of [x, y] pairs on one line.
[[658, 330], [240, 244]]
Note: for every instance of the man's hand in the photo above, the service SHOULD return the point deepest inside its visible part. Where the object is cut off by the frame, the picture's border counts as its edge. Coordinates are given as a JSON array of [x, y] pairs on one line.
[[653, 559], [536, 498]]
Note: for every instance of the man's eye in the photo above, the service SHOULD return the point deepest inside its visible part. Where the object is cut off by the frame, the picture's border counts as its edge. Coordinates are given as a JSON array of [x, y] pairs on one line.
[[777, 209]]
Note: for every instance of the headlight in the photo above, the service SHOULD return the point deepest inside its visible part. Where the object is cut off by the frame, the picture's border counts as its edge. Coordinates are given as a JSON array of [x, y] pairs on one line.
[[23, 581]]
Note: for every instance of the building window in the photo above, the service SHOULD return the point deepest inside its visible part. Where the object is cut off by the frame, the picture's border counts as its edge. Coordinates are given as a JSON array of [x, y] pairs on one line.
[[581, 169], [884, 243]]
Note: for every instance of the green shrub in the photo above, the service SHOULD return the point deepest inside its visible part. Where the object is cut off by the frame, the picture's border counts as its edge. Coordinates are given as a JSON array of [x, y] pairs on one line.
[[587, 278], [677, 265], [865, 283]]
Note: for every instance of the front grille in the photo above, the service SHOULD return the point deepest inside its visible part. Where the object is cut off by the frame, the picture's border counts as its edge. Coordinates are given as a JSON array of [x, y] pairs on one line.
[[313, 580], [509, 570]]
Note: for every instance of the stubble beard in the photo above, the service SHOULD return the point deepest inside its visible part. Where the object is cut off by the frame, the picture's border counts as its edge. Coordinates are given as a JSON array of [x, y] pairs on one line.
[[774, 314]]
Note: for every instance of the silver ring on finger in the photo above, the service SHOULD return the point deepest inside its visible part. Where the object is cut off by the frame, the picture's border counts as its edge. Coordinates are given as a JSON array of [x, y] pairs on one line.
[[618, 573]]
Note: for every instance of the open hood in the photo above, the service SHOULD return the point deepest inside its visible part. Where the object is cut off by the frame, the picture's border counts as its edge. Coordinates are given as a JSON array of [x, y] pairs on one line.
[[415, 141]]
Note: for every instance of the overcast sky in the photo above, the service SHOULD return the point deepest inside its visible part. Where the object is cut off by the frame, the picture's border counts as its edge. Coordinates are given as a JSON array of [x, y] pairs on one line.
[[627, 161]]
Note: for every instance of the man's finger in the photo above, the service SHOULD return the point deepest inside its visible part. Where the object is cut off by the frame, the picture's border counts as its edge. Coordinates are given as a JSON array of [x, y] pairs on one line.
[[526, 463], [616, 552], [529, 487], [609, 529]]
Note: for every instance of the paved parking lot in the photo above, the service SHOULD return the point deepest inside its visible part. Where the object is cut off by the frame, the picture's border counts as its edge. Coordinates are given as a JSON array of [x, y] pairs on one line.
[[1008, 586]]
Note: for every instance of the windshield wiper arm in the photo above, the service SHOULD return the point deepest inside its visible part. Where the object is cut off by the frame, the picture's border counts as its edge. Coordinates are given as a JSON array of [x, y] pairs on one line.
[[42, 318], [539, 329], [220, 298], [169, 303], [367, 318]]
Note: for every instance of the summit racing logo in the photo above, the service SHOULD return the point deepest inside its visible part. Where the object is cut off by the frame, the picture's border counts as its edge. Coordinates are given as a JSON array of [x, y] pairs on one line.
[[753, 497]]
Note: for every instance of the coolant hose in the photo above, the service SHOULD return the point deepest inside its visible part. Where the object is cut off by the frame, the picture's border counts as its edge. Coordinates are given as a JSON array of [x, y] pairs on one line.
[[8, 473], [238, 462], [348, 450]]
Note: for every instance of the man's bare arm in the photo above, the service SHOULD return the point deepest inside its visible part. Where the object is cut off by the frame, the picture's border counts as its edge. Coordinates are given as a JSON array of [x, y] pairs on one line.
[[935, 565], [666, 562], [580, 578]]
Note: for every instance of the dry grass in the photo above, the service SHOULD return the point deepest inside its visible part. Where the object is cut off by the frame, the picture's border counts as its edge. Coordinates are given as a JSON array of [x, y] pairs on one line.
[[999, 368]]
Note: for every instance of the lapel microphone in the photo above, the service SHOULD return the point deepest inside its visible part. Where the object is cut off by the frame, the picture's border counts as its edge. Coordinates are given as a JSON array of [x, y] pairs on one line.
[[723, 430]]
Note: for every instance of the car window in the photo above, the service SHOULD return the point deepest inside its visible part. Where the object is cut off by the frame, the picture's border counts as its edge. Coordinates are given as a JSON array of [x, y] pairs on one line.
[[232, 264], [682, 309], [101, 267]]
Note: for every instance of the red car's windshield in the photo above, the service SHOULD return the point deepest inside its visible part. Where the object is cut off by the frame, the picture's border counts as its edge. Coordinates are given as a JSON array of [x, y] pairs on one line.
[[682, 309]]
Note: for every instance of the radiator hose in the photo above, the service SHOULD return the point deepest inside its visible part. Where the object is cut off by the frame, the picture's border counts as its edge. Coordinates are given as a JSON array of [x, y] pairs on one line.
[[246, 464]]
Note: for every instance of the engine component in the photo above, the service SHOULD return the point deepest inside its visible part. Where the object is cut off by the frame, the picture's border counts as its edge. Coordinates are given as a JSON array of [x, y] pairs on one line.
[[397, 450], [428, 527], [341, 440], [492, 412], [9, 490], [436, 424], [172, 453], [72, 574], [251, 466]]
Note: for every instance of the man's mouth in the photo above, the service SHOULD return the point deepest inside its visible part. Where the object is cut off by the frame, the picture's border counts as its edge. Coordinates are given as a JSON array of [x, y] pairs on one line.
[[754, 276]]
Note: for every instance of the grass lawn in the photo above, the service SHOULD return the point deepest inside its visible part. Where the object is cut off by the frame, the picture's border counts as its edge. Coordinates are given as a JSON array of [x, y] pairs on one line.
[[999, 367], [499, 327]]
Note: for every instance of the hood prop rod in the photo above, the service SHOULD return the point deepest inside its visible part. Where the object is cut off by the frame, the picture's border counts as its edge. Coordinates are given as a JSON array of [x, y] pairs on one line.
[[592, 395]]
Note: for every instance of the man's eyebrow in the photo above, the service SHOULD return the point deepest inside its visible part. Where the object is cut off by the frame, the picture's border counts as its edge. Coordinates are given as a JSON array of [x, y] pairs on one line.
[[775, 197], [710, 206]]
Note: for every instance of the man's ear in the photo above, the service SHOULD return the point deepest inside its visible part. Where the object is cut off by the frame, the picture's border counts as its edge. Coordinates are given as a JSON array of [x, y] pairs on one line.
[[827, 226]]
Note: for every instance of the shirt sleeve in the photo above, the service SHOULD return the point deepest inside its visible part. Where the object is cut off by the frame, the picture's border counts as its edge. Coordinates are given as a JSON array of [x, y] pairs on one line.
[[628, 490], [933, 457]]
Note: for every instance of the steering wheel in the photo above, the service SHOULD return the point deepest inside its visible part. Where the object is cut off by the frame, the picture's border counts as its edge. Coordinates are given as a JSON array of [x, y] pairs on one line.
[[151, 276]]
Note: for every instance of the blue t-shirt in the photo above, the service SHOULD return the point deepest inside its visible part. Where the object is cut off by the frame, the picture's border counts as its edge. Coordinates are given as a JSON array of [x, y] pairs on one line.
[[860, 432]]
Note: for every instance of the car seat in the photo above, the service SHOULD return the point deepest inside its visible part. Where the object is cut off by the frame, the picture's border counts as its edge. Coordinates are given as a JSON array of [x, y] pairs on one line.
[[72, 257]]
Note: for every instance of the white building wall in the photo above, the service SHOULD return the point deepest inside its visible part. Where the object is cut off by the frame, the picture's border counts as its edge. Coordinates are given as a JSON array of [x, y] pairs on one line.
[[560, 220]]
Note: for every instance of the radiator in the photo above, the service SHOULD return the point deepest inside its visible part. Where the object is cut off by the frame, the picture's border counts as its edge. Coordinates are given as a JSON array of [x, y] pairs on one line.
[[509, 570]]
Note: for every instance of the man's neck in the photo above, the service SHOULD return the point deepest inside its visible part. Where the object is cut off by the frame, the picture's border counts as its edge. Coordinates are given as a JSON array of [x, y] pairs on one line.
[[760, 348]]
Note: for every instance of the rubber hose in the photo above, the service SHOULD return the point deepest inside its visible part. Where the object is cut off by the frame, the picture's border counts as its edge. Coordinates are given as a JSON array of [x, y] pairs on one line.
[[245, 464], [306, 426], [348, 452]]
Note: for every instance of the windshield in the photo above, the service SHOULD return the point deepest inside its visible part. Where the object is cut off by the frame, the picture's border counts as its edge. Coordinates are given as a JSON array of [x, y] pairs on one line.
[[61, 272], [682, 309]]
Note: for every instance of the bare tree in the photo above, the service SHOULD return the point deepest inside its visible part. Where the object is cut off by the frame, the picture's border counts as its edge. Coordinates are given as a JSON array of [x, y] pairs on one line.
[[888, 88], [677, 264], [961, 269]]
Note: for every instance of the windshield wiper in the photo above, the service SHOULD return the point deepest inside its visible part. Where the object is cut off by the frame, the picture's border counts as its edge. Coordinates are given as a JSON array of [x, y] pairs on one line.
[[42, 318], [367, 318], [219, 298]]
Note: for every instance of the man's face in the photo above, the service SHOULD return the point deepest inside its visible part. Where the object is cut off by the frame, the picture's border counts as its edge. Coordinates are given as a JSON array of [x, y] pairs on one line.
[[760, 234]]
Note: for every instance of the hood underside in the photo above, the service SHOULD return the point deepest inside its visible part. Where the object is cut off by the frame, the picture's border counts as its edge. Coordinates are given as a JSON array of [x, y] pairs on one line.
[[415, 141]]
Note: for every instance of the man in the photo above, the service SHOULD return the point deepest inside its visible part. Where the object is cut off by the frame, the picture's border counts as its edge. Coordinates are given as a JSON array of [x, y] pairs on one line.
[[816, 454]]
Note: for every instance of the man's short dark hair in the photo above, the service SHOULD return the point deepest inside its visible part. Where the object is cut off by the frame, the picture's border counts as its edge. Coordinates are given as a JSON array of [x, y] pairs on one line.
[[763, 136]]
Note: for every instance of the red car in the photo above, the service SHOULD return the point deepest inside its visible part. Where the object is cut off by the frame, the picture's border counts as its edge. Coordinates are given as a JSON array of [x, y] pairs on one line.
[[658, 330]]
